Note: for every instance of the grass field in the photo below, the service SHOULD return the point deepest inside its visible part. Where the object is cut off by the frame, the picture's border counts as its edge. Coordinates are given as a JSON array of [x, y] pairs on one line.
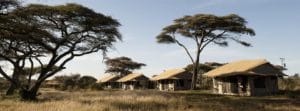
[[148, 100]]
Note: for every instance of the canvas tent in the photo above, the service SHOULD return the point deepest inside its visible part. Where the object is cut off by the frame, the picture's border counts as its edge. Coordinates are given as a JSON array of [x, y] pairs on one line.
[[245, 78], [173, 79], [109, 82], [134, 81]]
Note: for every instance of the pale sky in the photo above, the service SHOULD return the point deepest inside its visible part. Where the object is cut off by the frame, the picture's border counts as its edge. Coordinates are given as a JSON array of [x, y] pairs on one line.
[[276, 23]]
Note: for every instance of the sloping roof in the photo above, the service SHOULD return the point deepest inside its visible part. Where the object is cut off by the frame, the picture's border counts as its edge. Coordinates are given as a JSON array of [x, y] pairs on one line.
[[240, 67], [168, 74], [107, 78], [130, 77]]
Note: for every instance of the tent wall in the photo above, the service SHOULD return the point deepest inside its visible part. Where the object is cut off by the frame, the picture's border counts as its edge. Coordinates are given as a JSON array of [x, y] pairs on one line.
[[245, 85]]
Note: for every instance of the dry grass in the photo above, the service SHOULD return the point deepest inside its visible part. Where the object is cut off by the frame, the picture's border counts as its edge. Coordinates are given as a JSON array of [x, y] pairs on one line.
[[147, 100]]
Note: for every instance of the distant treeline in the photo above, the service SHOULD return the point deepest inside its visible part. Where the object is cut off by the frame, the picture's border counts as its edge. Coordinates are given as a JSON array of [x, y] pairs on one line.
[[74, 82]]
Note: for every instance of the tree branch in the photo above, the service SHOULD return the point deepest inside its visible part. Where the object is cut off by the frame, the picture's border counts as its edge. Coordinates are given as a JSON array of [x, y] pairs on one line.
[[40, 62], [61, 67], [184, 47], [211, 40]]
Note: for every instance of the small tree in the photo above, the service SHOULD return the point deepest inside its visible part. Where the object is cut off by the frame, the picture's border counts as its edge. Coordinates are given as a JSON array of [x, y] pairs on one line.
[[205, 29], [68, 81], [122, 65], [86, 82]]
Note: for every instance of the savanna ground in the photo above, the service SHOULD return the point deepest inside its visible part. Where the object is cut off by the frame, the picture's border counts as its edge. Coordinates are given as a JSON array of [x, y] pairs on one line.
[[145, 100]]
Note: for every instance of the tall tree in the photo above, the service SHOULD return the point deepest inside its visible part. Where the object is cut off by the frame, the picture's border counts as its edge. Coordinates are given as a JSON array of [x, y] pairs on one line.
[[69, 31], [205, 29], [122, 65]]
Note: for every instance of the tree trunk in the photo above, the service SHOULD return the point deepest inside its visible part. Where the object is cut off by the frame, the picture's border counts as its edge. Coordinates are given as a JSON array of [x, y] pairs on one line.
[[13, 87], [30, 94], [194, 77], [195, 69]]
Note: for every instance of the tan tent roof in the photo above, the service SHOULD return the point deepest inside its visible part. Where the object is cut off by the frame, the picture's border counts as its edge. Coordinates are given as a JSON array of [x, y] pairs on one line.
[[168, 74], [107, 78], [130, 77], [239, 67]]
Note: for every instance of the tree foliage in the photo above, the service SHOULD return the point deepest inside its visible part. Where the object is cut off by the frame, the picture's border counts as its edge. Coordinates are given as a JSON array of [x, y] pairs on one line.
[[205, 29], [67, 81], [86, 82], [202, 68], [75, 81], [204, 82], [122, 65]]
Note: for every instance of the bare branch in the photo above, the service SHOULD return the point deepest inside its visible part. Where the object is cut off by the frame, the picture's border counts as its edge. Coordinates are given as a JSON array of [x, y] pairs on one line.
[[211, 40], [184, 47], [40, 62]]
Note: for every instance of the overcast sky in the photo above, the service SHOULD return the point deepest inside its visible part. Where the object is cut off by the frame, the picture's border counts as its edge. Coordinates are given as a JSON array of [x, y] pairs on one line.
[[276, 23]]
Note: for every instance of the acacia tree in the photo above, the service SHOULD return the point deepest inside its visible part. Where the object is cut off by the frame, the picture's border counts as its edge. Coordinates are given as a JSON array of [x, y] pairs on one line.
[[122, 65], [205, 29], [71, 31]]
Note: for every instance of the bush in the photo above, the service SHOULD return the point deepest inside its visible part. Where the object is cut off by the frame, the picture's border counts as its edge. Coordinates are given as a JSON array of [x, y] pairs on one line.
[[97, 86], [290, 83], [75, 82], [205, 83], [86, 82]]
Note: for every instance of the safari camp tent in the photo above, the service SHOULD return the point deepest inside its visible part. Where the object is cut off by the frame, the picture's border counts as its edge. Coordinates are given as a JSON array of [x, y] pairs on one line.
[[134, 81], [245, 78], [110, 81], [173, 79]]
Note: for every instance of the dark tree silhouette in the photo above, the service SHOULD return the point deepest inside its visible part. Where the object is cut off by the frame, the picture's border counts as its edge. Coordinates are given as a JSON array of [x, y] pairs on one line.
[[86, 82], [205, 29], [122, 65], [60, 33], [67, 81]]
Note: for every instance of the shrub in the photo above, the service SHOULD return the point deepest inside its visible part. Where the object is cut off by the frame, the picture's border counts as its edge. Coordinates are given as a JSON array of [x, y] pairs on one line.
[[97, 86], [75, 82], [86, 82], [290, 83]]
